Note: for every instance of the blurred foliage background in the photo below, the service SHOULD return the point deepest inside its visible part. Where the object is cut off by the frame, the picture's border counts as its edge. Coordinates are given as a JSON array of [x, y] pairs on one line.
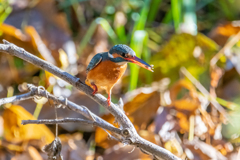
[[189, 105]]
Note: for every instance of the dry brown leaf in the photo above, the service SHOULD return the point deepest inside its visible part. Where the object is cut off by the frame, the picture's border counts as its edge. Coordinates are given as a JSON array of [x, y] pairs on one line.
[[222, 32], [176, 88], [14, 35], [186, 104], [174, 146], [30, 40], [183, 122], [201, 150], [149, 136], [31, 154], [189, 102], [140, 111], [216, 74], [14, 131], [74, 147], [120, 152], [39, 45]]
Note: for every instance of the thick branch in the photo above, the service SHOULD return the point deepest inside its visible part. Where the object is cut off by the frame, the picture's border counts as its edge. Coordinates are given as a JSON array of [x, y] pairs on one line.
[[128, 132], [153, 148], [21, 53]]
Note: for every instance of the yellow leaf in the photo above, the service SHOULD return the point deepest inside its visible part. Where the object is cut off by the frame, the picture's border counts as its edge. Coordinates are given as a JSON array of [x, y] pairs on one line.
[[179, 51], [188, 101], [14, 131], [143, 104], [186, 104], [63, 58], [174, 147], [176, 88], [183, 122]]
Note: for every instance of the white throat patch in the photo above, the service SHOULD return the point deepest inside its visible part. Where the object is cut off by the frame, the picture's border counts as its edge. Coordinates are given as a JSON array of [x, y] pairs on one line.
[[121, 63], [110, 56]]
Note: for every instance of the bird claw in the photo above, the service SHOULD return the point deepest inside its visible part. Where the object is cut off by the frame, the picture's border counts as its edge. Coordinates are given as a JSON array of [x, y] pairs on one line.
[[95, 88], [94, 92], [109, 101]]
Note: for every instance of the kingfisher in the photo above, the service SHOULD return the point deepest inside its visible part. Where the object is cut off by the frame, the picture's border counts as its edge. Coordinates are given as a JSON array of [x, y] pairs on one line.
[[106, 68]]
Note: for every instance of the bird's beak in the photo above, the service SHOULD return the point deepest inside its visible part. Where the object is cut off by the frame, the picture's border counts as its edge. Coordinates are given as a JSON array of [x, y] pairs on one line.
[[140, 62]]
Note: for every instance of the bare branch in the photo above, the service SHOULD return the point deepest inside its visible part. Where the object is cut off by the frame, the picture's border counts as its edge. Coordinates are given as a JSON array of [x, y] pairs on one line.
[[70, 120], [16, 98], [59, 121], [128, 132]]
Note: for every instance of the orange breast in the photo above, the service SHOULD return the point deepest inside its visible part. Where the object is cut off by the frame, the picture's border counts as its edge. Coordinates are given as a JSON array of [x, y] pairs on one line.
[[106, 74]]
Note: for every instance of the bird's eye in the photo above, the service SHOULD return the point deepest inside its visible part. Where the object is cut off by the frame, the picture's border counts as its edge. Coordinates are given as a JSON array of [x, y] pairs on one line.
[[124, 55]]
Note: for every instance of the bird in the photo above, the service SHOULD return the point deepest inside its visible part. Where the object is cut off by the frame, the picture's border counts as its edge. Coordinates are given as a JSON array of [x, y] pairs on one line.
[[106, 68]]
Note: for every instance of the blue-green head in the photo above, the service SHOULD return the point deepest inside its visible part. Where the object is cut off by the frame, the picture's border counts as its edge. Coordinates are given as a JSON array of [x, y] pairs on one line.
[[122, 53]]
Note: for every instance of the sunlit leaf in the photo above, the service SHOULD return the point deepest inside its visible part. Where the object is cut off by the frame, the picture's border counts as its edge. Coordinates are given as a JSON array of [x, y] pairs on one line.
[[142, 104], [14, 131], [179, 51]]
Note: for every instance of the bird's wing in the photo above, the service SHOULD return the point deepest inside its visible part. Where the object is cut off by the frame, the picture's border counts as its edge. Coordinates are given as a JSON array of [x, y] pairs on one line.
[[94, 62]]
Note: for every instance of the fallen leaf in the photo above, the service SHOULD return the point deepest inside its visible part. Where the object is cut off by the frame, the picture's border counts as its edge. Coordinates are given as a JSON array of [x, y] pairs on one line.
[[183, 122], [202, 150], [149, 136], [140, 111], [174, 146], [33, 153], [74, 147], [223, 31], [179, 51], [186, 104], [39, 45], [30, 154], [216, 74], [14, 131], [120, 152], [188, 101]]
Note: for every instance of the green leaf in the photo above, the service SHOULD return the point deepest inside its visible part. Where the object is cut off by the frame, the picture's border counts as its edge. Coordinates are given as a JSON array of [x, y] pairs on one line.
[[176, 13], [139, 45]]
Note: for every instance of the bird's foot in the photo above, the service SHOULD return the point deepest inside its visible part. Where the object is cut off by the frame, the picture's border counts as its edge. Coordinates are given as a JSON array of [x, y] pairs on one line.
[[95, 89], [109, 100]]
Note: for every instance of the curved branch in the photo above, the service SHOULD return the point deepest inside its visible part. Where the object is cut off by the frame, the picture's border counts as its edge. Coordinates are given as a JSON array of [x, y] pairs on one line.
[[128, 132]]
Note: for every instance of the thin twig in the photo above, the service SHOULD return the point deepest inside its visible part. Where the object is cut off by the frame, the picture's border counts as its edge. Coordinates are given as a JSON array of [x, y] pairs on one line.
[[228, 45], [66, 120], [56, 117], [206, 94], [16, 98], [60, 121]]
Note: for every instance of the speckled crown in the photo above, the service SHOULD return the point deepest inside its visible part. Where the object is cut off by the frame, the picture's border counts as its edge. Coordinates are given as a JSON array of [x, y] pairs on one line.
[[122, 48]]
